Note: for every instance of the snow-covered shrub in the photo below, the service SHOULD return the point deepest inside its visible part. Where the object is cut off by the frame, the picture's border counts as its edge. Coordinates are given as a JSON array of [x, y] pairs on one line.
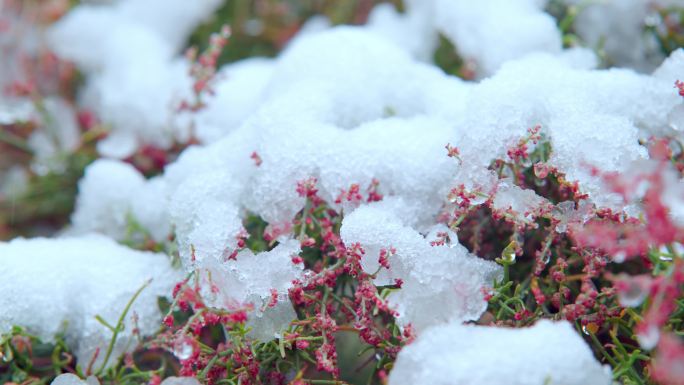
[[522, 224]]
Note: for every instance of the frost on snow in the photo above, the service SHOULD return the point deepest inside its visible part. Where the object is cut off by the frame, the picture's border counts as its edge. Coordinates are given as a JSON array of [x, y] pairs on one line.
[[453, 354], [73, 280]]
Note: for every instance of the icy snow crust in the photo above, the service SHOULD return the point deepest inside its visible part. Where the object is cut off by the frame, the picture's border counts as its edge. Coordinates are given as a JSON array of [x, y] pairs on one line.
[[346, 105], [54, 286], [453, 354]]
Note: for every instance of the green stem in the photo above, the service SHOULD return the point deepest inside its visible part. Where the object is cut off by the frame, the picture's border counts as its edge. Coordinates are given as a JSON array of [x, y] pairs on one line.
[[120, 326]]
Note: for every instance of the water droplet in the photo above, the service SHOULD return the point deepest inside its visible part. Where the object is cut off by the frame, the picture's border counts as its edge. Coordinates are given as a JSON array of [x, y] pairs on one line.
[[546, 257], [648, 338], [508, 254], [8, 355], [590, 328], [634, 294], [183, 349]]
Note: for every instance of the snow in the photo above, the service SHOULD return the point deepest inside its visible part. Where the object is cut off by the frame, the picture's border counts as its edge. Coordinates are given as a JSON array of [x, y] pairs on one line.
[[59, 135], [345, 106], [413, 30], [250, 279], [591, 117], [616, 27], [59, 285], [522, 203], [363, 109], [376, 125], [205, 217], [670, 69], [72, 379], [237, 95], [514, 28], [112, 194], [180, 381], [135, 79], [57, 132], [430, 293], [546, 353]]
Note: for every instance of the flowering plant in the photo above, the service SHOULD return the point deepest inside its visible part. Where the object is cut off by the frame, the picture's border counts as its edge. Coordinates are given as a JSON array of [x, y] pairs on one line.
[[379, 192]]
